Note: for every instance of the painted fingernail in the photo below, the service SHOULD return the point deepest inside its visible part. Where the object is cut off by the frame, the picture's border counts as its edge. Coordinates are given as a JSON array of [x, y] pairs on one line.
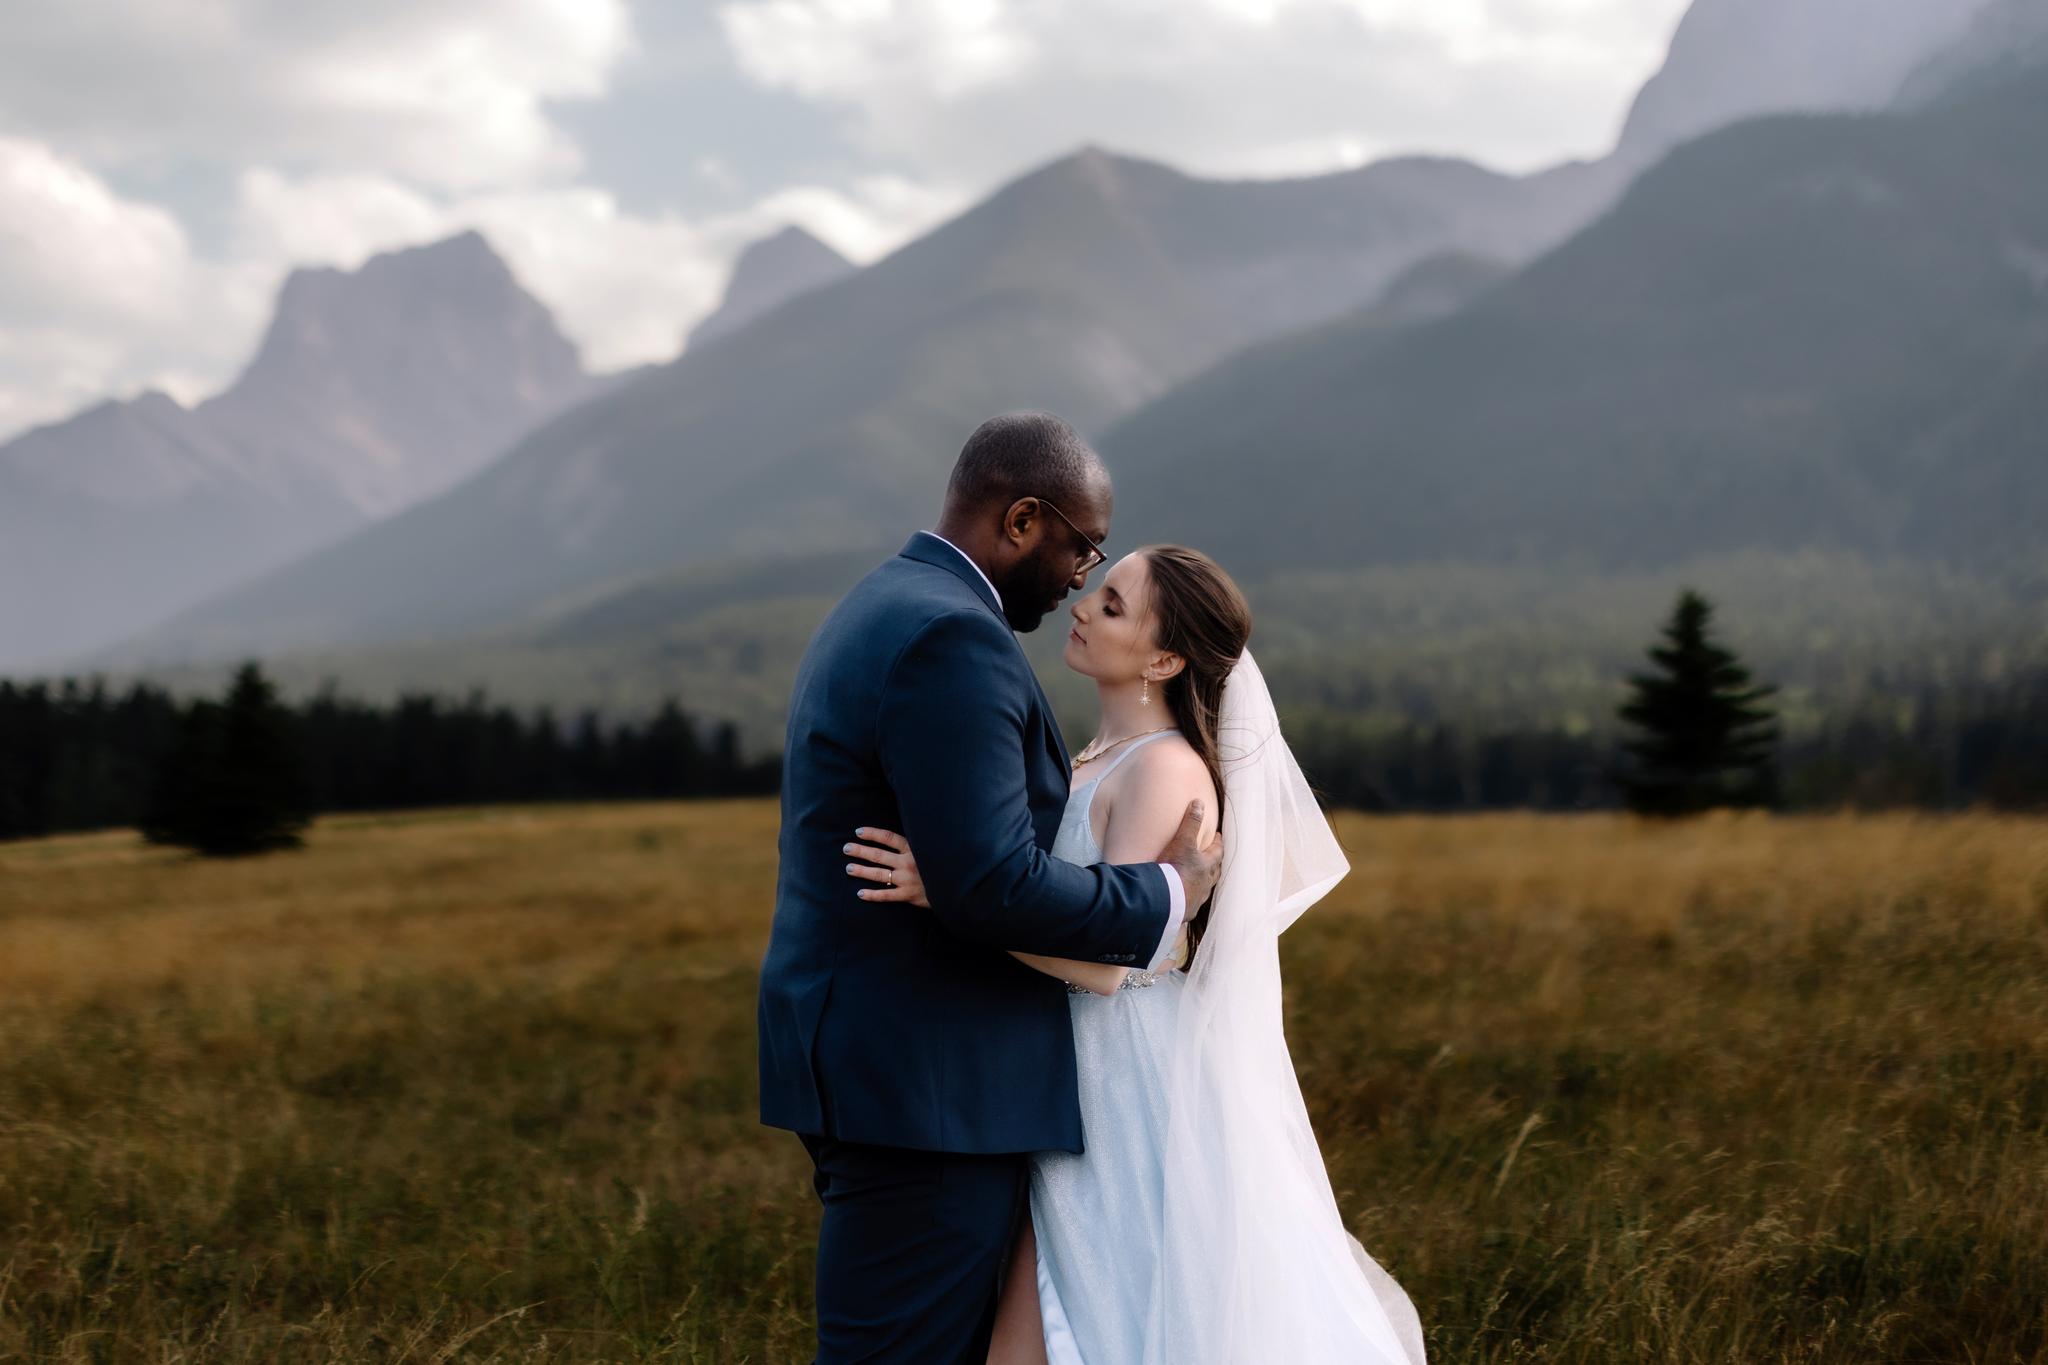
[[846, 848]]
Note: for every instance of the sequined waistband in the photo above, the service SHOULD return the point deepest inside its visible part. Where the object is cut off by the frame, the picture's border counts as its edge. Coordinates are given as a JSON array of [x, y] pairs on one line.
[[1131, 982]]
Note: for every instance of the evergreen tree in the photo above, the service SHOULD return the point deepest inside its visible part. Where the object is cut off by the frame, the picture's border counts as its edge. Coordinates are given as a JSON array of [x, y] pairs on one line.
[[1706, 742], [235, 782], [674, 760]]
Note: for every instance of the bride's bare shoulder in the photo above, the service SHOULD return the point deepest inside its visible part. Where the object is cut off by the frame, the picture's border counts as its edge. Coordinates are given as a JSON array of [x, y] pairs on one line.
[[1170, 758], [1155, 786]]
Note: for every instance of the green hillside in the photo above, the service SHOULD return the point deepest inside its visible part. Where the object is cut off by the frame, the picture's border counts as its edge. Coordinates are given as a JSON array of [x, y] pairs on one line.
[[1817, 332], [1491, 645]]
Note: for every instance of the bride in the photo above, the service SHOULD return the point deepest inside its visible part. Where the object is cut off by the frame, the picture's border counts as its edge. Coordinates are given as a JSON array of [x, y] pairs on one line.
[[1199, 1225]]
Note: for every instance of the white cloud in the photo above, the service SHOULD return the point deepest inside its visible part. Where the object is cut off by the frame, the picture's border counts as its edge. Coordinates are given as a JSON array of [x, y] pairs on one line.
[[444, 92], [100, 294], [1216, 86], [845, 48], [624, 287], [74, 249], [876, 215], [329, 219], [627, 287]]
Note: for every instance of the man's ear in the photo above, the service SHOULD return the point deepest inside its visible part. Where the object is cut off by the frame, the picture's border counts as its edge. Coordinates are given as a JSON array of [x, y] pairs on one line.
[[1019, 519]]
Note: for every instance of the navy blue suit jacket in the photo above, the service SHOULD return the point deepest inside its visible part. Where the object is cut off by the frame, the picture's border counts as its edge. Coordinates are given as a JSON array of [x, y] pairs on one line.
[[916, 710]]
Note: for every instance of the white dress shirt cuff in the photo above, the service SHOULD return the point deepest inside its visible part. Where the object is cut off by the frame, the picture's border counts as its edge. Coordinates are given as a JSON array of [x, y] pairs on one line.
[[1176, 915]]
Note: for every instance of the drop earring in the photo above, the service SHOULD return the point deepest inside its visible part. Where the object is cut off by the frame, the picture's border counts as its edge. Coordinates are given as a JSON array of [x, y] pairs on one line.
[[1145, 693]]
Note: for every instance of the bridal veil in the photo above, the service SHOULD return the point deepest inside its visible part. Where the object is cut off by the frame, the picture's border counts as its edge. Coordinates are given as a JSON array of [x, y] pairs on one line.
[[1256, 1263]]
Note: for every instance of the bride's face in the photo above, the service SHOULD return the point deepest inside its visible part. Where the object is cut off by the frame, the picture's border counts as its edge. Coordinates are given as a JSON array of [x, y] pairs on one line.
[[1112, 639]]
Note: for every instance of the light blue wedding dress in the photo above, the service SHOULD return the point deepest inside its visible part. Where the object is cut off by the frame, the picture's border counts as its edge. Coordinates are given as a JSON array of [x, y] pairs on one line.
[[1099, 1216], [1187, 1089]]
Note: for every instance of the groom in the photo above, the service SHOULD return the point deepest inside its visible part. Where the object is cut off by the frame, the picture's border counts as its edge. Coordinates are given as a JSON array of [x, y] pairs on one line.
[[916, 1059]]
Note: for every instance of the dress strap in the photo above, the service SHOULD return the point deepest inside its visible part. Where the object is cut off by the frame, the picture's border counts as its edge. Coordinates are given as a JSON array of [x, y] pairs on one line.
[[1129, 749]]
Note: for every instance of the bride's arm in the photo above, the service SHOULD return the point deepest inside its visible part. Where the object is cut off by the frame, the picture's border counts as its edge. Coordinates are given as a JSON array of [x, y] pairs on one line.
[[1144, 811], [1099, 977], [1143, 803], [1151, 794], [886, 860]]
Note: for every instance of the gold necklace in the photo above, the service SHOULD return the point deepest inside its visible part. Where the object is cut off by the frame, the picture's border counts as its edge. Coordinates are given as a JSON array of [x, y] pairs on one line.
[[1096, 748]]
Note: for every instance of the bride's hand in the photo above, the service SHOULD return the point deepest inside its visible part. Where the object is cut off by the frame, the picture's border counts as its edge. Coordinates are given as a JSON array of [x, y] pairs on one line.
[[892, 866]]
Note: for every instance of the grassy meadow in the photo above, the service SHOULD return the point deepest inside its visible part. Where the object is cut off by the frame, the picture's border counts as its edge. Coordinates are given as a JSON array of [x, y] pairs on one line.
[[478, 1085]]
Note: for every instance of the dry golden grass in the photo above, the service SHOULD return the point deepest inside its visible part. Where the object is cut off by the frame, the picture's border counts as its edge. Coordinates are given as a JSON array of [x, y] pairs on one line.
[[478, 1085]]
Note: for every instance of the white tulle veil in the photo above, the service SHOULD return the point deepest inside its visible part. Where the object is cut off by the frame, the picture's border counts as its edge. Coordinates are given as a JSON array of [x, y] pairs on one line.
[[1256, 1264]]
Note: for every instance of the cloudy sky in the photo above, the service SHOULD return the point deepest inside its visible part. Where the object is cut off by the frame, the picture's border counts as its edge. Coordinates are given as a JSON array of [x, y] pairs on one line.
[[164, 162]]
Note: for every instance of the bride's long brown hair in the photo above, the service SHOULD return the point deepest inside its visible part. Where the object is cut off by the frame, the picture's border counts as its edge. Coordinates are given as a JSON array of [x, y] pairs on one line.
[[1200, 614]]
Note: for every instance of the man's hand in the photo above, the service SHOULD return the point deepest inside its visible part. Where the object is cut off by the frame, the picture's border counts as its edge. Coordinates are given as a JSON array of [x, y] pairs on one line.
[[1199, 867]]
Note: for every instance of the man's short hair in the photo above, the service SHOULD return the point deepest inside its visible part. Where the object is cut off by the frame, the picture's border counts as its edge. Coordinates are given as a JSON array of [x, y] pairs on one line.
[[1023, 455]]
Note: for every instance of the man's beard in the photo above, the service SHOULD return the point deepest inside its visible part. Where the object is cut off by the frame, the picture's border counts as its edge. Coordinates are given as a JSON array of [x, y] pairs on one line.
[[1028, 599], [1022, 618]]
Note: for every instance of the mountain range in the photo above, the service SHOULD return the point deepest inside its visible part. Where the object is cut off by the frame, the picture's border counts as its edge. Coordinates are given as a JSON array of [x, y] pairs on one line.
[[1087, 287], [1799, 332], [371, 390], [1736, 59], [1796, 333]]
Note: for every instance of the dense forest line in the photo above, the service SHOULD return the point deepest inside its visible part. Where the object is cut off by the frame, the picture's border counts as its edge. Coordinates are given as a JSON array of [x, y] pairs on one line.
[[1935, 749], [75, 755]]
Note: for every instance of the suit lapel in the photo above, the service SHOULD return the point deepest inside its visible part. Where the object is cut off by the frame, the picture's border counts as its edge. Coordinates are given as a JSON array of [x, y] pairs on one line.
[[926, 548], [1055, 743]]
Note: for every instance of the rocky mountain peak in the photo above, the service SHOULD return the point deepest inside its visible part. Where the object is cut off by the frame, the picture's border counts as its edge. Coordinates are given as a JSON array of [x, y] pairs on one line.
[[768, 274], [434, 301], [1736, 59]]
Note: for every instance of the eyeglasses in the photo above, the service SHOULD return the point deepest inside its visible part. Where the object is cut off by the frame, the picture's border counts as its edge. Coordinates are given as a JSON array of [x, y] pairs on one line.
[[1094, 556]]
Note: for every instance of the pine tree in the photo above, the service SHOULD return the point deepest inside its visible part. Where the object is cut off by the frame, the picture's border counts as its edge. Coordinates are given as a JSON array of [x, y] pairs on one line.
[[1706, 742], [235, 782]]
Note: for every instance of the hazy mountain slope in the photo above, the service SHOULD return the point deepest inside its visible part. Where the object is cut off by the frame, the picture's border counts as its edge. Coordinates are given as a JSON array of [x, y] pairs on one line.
[[371, 389], [1439, 285], [2005, 40], [1800, 332], [1736, 59], [768, 274], [1087, 287]]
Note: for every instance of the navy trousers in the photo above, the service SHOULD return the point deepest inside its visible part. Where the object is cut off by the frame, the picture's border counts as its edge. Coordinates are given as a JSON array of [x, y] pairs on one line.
[[911, 1248]]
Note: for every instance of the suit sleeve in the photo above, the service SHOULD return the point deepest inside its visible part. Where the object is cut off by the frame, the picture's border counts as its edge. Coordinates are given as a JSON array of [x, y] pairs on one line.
[[952, 736]]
